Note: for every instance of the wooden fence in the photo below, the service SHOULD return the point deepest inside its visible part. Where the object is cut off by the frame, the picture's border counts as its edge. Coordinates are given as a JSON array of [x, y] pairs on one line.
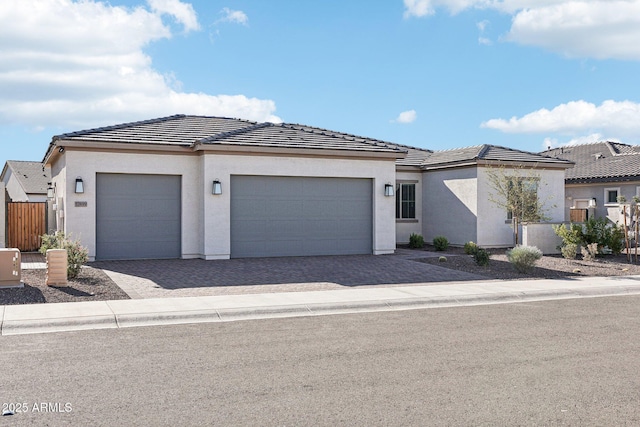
[[26, 222]]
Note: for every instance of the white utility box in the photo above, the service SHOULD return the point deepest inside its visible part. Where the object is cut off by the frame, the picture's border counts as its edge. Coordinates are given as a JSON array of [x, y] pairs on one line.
[[10, 269], [56, 267]]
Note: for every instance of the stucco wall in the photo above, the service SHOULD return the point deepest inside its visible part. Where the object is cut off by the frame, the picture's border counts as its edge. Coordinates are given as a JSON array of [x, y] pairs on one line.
[[13, 187], [494, 230], [217, 221], [80, 221], [406, 227], [450, 205], [206, 218], [542, 237], [596, 191]]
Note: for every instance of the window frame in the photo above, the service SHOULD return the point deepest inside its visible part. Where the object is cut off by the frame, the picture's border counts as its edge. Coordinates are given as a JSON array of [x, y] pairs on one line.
[[409, 203], [606, 196], [525, 181]]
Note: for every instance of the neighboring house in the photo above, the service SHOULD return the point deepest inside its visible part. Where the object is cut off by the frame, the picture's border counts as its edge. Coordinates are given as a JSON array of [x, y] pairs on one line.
[[602, 172], [25, 181], [23, 216], [217, 188], [451, 191]]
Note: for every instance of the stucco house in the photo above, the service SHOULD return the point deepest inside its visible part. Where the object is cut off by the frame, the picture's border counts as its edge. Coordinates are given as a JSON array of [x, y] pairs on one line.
[[216, 188], [453, 190], [602, 172], [25, 181]]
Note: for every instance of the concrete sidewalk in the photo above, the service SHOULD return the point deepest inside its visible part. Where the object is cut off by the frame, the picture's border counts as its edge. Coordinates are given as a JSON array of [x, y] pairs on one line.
[[37, 318]]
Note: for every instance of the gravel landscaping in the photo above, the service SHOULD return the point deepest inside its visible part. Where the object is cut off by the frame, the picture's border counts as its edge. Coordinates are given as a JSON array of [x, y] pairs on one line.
[[548, 267], [92, 284]]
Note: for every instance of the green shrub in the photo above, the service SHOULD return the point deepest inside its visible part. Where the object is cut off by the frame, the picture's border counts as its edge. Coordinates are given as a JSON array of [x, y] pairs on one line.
[[571, 234], [569, 250], [440, 243], [523, 258], [481, 256], [77, 255], [470, 248], [416, 241], [595, 230]]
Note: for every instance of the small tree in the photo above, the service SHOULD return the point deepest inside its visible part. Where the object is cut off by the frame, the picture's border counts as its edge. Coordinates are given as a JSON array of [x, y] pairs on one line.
[[515, 190]]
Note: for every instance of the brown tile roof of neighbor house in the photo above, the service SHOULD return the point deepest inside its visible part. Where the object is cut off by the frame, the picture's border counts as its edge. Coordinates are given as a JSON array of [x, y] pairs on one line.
[[488, 153], [192, 131], [600, 161], [33, 178]]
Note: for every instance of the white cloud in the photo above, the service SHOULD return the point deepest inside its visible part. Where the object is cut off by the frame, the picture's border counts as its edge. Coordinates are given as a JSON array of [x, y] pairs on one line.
[[406, 117], [612, 117], [92, 70], [233, 16], [595, 29], [182, 12], [575, 28], [417, 8], [482, 27]]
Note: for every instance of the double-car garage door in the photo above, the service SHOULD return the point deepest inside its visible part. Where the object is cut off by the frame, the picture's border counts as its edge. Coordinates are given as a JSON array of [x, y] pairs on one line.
[[139, 216], [294, 216]]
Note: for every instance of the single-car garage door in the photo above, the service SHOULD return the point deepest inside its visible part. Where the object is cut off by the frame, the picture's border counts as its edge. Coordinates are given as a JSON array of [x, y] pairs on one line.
[[137, 216], [294, 216]]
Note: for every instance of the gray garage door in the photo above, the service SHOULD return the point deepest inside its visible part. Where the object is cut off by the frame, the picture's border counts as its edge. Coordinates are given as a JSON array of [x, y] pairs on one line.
[[285, 216], [137, 216]]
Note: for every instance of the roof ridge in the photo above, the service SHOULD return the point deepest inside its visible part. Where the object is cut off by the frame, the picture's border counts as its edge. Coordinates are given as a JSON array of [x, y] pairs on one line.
[[118, 126], [458, 148], [222, 135], [336, 134], [482, 151]]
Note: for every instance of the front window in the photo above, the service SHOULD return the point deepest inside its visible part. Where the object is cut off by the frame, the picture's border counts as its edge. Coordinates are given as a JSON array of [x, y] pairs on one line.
[[406, 201], [523, 196], [611, 196]]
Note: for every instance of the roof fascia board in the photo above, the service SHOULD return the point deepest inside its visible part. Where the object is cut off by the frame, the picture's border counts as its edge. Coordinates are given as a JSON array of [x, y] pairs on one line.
[[303, 152], [602, 180]]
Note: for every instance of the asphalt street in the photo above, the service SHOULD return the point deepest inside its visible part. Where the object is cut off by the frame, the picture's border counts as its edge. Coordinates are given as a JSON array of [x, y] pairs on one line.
[[566, 362]]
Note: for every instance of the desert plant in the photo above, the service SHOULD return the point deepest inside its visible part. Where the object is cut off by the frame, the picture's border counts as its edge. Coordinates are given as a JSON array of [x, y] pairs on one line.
[[595, 230], [523, 258], [440, 243], [571, 234], [470, 248], [416, 241], [590, 251], [569, 250], [481, 256], [77, 255], [442, 259]]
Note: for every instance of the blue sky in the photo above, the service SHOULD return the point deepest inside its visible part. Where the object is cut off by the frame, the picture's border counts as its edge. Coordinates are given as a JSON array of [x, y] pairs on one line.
[[437, 74]]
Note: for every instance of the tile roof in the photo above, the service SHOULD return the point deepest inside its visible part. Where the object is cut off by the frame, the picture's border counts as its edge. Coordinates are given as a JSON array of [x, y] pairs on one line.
[[30, 175], [172, 130], [190, 131], [486, 152], [603, 161]]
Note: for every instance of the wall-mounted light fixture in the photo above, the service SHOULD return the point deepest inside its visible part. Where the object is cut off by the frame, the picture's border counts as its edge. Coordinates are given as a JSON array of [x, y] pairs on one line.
[[61, 150], [592, 203], [79, 185], [50, 193], [217, 187], [388, 190]]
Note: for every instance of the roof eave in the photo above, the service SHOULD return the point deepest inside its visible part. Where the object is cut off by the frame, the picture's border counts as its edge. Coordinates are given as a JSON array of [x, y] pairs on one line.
[[315, 152]]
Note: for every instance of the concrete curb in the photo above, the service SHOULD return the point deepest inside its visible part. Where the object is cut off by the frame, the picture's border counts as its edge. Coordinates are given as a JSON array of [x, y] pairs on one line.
[[39, 318]]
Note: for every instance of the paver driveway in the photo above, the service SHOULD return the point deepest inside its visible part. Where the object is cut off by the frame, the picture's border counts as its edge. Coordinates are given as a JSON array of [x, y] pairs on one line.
[[196, 277]]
